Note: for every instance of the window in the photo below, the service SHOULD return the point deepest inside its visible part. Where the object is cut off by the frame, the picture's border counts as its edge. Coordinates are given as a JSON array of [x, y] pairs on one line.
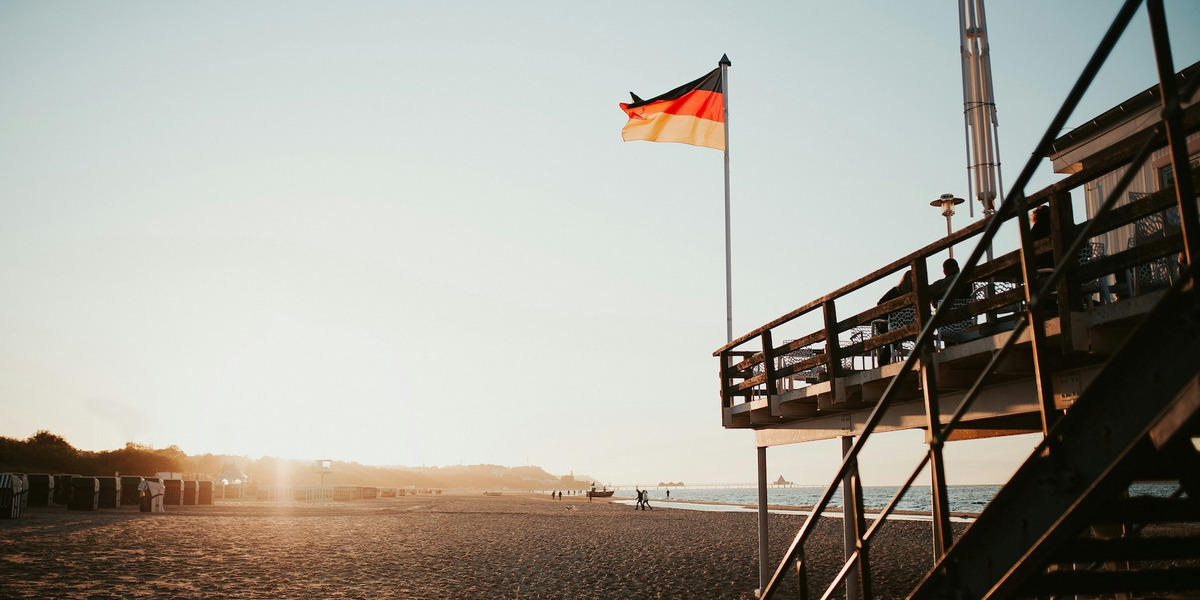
[[1166, 175]]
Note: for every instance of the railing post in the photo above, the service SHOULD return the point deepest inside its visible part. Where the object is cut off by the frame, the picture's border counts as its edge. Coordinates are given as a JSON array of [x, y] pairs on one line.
[[833, 348], [768, 348], [724, 375], [920, 274], [1062, 223], [802, 575]]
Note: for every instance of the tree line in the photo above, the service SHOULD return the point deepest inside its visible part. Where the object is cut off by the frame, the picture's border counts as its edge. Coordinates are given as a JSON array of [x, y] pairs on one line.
[[45, 452]]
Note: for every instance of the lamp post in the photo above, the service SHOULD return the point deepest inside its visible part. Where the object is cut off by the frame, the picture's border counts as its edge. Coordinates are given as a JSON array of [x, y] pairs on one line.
[[946, 202]]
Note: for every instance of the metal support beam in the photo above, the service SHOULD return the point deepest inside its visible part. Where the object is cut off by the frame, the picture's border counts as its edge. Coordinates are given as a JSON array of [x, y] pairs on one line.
[[764, 572]]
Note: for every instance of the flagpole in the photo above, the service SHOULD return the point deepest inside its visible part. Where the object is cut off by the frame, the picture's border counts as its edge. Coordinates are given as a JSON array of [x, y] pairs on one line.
[[725, 64], [761, 451]]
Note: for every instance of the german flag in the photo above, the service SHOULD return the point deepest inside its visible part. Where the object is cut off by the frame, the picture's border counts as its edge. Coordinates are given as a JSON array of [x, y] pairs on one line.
[[692, 113]]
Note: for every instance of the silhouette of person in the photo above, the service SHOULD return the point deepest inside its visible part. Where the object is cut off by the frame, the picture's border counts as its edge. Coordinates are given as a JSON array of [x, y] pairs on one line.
[[900, 289], [937, 288]]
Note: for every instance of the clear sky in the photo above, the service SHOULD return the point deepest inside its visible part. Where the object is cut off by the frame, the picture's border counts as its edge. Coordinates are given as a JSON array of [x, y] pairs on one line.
[[409, 232]]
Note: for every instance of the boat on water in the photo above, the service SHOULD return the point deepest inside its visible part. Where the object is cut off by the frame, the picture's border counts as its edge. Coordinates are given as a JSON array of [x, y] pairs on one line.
[[604, 493]]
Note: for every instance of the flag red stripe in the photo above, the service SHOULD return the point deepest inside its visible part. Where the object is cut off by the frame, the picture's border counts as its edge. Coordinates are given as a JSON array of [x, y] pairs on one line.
[[700, 103]]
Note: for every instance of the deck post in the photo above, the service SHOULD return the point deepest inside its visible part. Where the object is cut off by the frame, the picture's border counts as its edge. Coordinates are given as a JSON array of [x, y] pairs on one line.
[[1062, 220], [833, 350], [768, 347], [764, 570], [852, 521]]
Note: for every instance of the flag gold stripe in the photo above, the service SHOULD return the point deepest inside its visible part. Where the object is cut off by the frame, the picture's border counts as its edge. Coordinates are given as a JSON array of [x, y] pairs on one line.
[[682, 129]]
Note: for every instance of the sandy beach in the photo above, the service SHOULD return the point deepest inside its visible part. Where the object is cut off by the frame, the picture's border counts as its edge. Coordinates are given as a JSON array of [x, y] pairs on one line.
[[448, 546]]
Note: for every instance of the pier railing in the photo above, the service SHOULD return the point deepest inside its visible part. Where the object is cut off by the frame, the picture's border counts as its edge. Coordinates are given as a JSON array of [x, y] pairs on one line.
[[753, 380]]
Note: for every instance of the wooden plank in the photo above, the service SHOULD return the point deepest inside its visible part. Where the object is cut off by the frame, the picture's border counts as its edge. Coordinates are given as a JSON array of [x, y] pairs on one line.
[[803, 365], [800, 343], [769, 363], [751, 382]]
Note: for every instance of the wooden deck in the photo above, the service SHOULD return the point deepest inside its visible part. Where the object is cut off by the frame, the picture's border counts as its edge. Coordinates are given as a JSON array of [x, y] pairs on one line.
[[806, 388], [1008, 403]]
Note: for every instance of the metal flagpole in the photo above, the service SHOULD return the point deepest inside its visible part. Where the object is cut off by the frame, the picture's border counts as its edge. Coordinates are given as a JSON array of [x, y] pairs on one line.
[[763, 573], [725, 64]]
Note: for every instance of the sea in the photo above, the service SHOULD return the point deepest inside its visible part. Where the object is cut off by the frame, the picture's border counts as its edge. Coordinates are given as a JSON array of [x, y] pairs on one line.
[[970, 499]]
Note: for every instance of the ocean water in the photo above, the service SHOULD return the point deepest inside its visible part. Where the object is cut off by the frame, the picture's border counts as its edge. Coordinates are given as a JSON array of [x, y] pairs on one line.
[[963, 498]]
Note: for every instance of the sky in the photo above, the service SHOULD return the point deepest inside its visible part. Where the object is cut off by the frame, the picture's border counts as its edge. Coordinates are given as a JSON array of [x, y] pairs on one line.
[[409, 233]]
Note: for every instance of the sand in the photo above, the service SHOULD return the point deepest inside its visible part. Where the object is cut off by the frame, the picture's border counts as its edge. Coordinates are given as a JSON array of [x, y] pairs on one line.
[[449, 546]]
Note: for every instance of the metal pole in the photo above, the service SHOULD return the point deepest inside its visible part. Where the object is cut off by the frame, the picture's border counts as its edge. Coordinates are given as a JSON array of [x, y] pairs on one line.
[[763, 573], [725, 64], [948, 232]]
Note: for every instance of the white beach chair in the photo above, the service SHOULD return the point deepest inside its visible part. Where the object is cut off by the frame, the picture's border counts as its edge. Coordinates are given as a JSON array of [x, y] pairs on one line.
[[155, 491]]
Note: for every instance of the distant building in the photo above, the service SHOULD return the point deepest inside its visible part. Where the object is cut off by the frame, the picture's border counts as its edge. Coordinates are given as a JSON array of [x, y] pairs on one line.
[[232, 475]]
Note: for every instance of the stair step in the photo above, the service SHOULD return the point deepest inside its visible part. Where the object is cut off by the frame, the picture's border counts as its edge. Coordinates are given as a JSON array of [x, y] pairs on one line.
[[1148, 509], [1108, 582], [1130, 549]]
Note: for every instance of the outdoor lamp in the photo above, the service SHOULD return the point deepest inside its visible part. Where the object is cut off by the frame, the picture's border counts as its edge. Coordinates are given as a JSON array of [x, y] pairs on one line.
[[946, 202]]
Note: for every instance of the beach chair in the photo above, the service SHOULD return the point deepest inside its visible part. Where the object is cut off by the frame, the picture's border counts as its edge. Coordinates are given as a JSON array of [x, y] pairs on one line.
[[1090, 290], [953, 333], [900, 318], [10, 496], [152, 493]]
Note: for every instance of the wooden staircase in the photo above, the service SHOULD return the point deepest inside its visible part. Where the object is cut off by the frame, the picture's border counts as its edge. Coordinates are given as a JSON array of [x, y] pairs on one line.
[[1065, 523]]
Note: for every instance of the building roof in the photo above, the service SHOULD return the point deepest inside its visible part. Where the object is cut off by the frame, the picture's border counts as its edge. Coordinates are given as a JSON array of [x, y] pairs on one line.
[[1135, 105]]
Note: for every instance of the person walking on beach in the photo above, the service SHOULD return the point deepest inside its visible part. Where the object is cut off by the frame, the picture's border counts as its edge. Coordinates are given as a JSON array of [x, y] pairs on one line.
[[646, 500], [639, 498]]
